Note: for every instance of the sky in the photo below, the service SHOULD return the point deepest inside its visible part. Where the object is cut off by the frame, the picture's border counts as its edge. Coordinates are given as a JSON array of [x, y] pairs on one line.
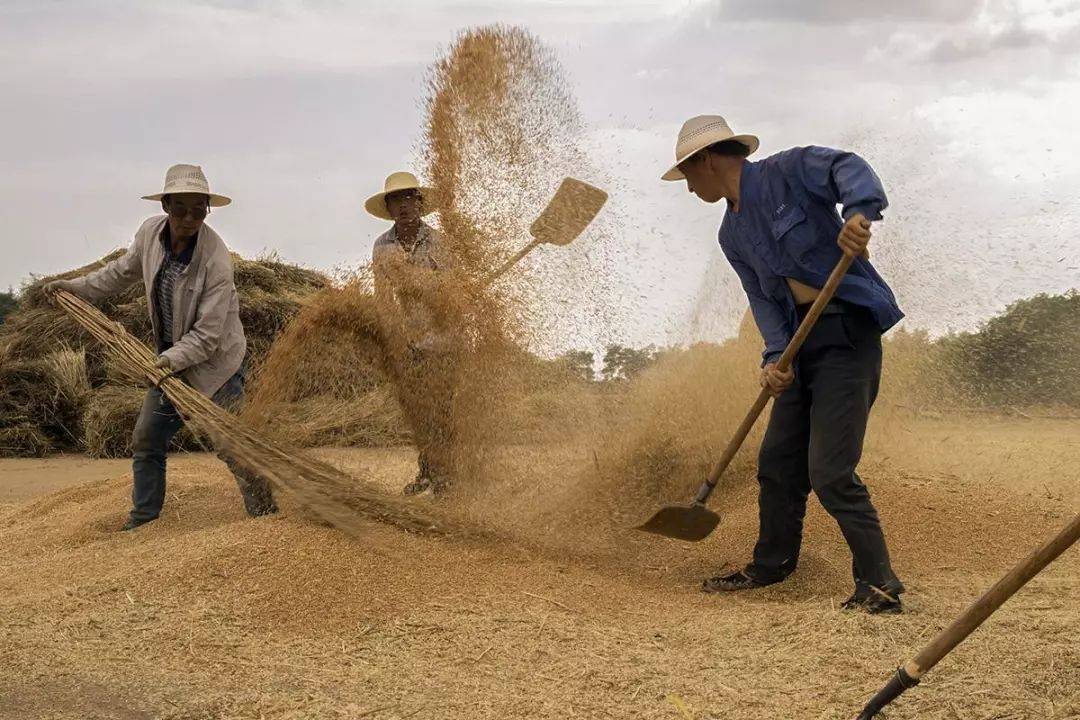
[[298, 110]]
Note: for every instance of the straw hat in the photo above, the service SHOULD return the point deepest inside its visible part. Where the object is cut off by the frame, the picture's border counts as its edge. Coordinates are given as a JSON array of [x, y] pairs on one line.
[[700, 132], [376, 204], [188, 179]]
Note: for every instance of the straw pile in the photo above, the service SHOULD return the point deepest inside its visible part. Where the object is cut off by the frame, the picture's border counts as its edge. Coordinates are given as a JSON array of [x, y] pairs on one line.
[[323, 381], [318, 488], [41, 401], [61, 392]]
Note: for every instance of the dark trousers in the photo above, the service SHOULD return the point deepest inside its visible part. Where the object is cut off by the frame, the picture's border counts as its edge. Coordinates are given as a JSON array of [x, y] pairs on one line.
[[814, 441], [158, 422], [426, 386]]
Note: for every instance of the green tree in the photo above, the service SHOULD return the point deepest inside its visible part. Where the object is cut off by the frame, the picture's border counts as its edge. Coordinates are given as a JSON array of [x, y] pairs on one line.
[[9, 303], [624, 363], [579, 363], [1030, 354]]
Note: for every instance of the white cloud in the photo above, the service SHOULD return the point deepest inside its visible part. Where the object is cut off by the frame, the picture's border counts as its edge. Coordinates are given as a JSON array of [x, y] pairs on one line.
[[300, 108]]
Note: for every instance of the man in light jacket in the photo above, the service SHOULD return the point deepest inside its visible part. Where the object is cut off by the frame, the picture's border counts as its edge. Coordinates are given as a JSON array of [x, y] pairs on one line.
[[194, 310]]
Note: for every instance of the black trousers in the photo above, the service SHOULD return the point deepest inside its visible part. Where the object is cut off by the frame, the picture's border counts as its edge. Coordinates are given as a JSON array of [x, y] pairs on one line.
[[814, 441]]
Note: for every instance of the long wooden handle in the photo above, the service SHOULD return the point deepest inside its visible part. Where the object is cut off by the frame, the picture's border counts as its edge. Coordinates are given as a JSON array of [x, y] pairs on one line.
[[514, 260], [792, 349], [912, 671], [992, 599]]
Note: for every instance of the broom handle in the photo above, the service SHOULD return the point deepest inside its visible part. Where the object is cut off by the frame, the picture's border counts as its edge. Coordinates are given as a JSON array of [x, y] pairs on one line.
[[909, 674], [796, 342]]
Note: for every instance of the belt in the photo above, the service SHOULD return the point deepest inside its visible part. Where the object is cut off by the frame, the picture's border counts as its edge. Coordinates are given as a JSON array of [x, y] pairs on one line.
[[833, 307]]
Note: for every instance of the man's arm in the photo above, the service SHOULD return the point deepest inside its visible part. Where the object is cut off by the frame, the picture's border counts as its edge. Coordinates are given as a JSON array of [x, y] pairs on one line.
[[837, 177], [769, 317], [198, 343], [113, 278]]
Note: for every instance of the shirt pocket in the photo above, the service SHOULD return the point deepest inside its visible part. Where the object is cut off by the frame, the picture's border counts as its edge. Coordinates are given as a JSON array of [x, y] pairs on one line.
[[794, 234]]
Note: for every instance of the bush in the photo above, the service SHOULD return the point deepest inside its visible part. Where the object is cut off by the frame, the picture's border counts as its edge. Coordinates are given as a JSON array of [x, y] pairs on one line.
[[1028, 355]]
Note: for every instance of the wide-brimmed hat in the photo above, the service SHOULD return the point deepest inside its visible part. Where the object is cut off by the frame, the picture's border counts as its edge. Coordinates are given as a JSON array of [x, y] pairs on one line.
[[376, 204], [700, 132], [188, 179]]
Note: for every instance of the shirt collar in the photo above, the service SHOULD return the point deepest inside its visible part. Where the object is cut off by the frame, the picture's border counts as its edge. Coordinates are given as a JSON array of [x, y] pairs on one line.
[[166, 243], [748, 181], [423, 234]]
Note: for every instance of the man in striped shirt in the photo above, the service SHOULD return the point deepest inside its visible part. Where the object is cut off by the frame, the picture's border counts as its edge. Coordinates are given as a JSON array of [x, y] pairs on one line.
[[404, 259]]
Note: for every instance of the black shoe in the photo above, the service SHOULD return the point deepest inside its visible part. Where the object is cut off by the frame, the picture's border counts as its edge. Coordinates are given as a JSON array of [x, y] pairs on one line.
[[440, 485], [132, 523], [258, 504], [420, 485], [733, 582], [263, 510], [875, 601]]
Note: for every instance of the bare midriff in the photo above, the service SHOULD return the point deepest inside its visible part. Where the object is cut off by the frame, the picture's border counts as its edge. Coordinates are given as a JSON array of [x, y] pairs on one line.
[[802, 292]]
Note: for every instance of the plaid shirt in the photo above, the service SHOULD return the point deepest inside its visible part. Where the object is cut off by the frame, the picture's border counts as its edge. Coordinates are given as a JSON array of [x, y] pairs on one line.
[[171, 268]]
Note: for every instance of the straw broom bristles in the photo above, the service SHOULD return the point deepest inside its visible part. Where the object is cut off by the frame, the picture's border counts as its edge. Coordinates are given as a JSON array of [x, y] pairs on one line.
[[317, 487]]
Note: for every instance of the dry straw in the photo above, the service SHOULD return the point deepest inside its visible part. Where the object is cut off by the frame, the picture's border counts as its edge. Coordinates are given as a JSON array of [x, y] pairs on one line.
[[319, 488]]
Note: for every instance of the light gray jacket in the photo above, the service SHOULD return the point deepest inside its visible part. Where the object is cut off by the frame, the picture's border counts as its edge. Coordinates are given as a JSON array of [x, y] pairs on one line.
[[206, 308]]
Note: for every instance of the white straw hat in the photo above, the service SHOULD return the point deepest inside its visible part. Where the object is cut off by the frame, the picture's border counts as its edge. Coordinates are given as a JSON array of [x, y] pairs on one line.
[[376, 204], [188, 179], [700, 132]]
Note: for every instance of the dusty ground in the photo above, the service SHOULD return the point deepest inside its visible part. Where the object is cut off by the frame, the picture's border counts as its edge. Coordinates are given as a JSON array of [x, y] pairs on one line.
[[206, 614]]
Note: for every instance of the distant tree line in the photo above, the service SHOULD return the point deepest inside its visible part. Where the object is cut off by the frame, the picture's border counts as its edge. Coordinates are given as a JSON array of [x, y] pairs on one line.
[[620, 363], [1027, 355]]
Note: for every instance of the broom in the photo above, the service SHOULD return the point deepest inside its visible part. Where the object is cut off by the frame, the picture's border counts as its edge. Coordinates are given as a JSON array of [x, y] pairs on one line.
[[321, 489]]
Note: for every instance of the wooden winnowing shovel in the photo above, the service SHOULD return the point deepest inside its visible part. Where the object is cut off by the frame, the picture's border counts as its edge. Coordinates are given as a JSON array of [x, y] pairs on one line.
[[909, 674], [695, 521], [574, 205]]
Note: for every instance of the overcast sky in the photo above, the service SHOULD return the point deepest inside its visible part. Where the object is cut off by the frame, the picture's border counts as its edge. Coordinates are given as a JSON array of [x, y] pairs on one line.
[[299, 109]]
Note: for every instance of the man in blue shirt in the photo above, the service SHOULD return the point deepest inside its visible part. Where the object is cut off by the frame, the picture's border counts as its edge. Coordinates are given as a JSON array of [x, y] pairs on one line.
[[783, 235]]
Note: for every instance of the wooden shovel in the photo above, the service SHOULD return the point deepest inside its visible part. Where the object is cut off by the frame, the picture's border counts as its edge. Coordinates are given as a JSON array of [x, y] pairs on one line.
[[909, 674], [695, 521], [574, 205]]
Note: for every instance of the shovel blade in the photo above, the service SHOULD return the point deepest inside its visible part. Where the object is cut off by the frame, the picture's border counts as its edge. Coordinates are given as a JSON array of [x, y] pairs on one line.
[[694, 522], [569, 212]]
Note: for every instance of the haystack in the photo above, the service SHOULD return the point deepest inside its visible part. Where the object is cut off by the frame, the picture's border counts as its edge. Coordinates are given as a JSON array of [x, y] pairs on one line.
[[59, 391], [25, 440], [42, 402], [321, 383]]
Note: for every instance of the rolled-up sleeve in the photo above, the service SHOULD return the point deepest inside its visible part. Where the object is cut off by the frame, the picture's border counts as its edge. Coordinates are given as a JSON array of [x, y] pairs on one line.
[[837, 177], [770, 318]]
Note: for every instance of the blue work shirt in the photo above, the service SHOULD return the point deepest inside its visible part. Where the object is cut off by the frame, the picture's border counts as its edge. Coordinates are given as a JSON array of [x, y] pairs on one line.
[[787, 226]]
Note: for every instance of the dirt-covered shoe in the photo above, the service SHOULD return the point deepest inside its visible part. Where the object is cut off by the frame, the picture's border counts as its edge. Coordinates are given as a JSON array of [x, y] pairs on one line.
[[132, 523], [733, 582], [440, 485], [418, 486], [875, 601]]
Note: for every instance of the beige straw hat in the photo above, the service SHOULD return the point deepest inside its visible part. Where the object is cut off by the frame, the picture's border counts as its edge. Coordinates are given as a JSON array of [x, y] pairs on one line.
[[376, 204], [188, 179], [700, 132]]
